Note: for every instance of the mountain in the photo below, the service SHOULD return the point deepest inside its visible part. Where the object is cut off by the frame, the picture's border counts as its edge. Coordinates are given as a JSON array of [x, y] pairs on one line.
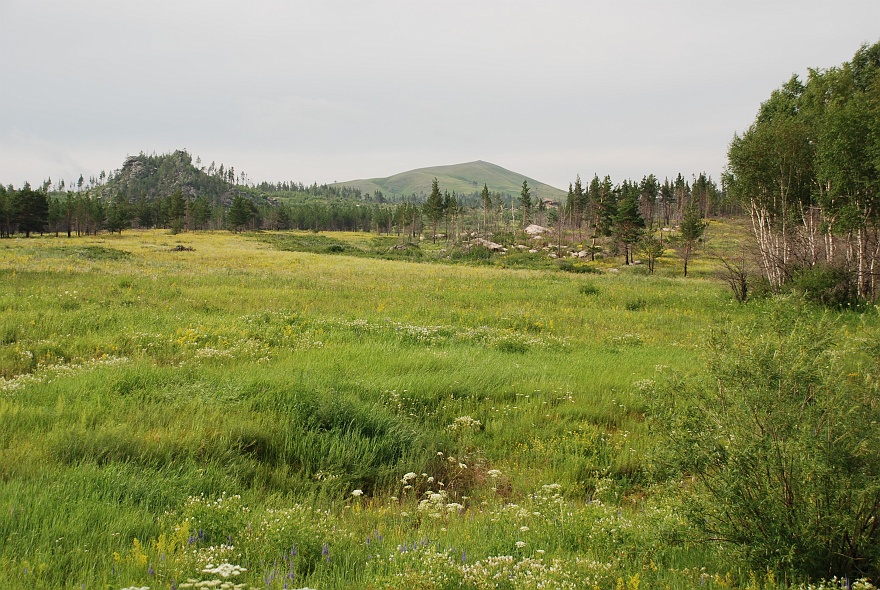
[[466, 179], [152, 177]]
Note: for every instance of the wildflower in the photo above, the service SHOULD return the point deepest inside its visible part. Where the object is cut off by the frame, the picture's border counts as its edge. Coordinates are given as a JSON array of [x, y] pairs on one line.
[[408, 476], [495, 473], [520, 544], [357, 493]]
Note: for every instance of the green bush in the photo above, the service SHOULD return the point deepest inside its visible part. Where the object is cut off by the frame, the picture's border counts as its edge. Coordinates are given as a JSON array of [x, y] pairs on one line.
[[476, 253], [825, 285], [781, 447], [588, 289], [577, 267]]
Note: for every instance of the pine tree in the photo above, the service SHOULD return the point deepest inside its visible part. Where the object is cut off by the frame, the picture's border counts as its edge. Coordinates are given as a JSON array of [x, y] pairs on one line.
[[525, 202], [30, 210], [487, 204], [239, 214], [628, 222], [433, 207]]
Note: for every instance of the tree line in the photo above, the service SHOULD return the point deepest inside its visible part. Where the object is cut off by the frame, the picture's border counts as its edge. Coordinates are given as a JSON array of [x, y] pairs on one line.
[[808, 173]]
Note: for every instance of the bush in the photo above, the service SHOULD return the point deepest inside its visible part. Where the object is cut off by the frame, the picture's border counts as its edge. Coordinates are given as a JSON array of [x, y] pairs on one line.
[[781, 447], [825, 285], [589, 289], [476, 253], [577, 267]]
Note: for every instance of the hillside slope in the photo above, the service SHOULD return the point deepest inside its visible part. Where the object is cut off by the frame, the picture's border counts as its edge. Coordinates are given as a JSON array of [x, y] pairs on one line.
[[467, 179], [152, 177]]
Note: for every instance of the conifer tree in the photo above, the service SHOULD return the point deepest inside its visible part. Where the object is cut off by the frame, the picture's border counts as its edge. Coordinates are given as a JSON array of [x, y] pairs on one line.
[[487, 204], [433, 207], [525, 202]]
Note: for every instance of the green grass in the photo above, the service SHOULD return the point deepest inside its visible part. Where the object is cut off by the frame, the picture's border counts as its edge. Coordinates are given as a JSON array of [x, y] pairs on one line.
[[160, 405]]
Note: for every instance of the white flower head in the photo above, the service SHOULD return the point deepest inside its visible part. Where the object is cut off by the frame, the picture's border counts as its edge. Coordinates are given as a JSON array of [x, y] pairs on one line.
[[357, 493]]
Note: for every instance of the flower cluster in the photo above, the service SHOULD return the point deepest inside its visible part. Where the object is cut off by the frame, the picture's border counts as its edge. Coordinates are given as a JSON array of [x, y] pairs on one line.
[[464, 423]]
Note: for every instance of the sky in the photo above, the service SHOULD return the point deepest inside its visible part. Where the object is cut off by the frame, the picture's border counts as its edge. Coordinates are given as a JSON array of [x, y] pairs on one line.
[[335, 90]]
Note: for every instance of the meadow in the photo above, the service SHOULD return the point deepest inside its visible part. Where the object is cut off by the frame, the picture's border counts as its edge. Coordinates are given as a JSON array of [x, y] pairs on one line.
[[219, 410]]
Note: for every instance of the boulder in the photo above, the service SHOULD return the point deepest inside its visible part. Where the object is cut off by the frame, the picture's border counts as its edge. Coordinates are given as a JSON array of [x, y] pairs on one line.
[[535, 230]]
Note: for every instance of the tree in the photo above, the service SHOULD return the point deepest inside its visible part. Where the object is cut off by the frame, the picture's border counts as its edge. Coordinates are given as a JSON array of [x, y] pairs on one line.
[[604, 202], [667, 200], [735, 272], [769, 170], [780, 446], [30, 210], [118, 214], [69, 212], [649, 188], [6, 210], [239, 214], [651, 247], [433, 208], [176, 210], [56, 215], [690, 231], [200, 212], [628, 222], [525, 203], [487, 205]]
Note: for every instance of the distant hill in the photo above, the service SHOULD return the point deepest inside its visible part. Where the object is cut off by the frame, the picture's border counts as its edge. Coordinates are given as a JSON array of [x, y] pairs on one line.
[[464, 179], [151, 177]]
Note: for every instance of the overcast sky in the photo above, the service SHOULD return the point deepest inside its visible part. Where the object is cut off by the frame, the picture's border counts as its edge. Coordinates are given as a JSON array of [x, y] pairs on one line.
[[338, 90]]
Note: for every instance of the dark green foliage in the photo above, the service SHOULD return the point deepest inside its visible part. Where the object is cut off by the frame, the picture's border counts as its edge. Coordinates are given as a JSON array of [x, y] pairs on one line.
[[629, 225], [241, 213], [604, 202], [635, 304], [833, 287], [780, 447], [434, 207], [566, 265], [474, 253], [525, 203], [30, 210], [5, 211], [154, 177], [588, 289], [118, 215], [315, 243]]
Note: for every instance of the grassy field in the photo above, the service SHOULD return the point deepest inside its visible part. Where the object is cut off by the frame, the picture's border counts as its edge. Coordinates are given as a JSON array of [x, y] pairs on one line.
[[205, 409]]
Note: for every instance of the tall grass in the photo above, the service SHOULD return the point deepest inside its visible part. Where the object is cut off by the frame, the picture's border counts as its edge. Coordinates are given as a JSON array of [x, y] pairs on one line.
[[168, 410]]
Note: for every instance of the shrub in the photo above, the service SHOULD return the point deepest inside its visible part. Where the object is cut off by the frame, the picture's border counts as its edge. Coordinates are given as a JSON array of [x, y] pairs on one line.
[[575, 267], [589, 289], [476, 253], [825, 285], [781, 446]]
